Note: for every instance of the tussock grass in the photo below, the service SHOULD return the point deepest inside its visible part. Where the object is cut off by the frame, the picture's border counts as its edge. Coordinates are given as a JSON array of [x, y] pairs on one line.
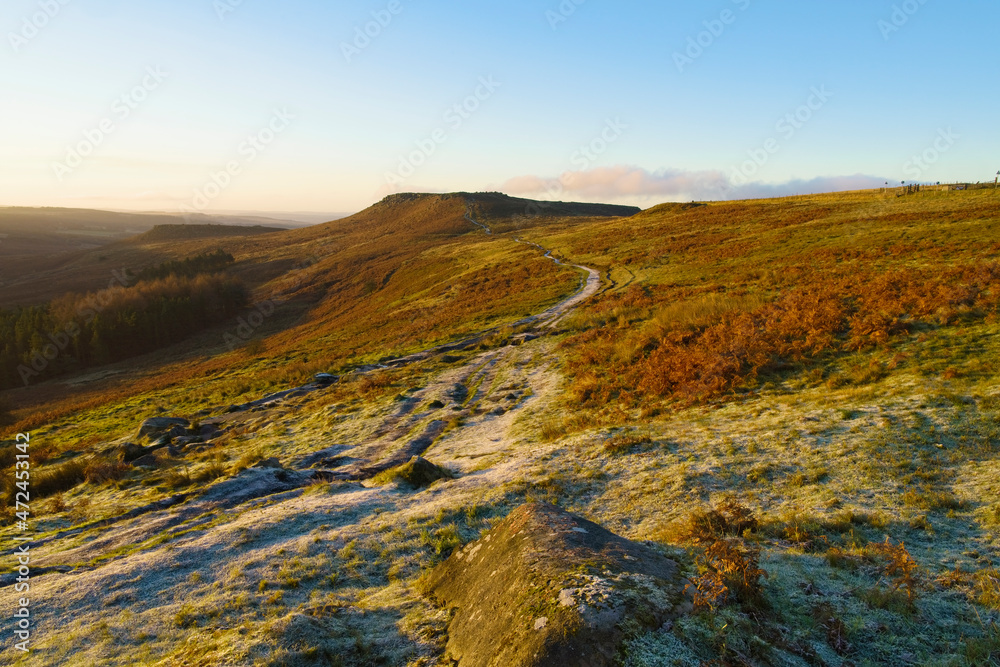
[[101, 471], [624, 443], [59, 478]]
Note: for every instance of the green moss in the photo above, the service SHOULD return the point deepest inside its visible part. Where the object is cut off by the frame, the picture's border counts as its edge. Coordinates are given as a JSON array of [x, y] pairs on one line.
[[417, 473]]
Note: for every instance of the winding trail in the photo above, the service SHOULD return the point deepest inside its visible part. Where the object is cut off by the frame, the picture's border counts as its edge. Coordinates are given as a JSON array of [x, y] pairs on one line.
[[466, 414], [589, 285], [468, 216], [410, 431]]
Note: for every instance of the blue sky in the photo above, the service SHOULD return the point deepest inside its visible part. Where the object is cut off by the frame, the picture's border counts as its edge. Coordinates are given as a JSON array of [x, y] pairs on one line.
[[220, 105]]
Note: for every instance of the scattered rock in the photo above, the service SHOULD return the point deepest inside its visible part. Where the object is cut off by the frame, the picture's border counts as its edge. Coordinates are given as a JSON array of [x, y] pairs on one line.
[[435, 405], [157, 459], [129, 452], [147, 461], [186, 440], [497, 412], [272, 462], [209, 431], [548, 588], [521, 339], [158, 428]]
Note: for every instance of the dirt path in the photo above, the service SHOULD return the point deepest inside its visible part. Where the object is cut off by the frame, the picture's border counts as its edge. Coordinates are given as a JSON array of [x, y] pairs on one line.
[[589, 285], [461, 394], [465, 414], [479, 417]]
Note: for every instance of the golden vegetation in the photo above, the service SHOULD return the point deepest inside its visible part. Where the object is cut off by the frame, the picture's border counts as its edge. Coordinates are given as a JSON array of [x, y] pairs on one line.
[[406, 274], [729, 296]]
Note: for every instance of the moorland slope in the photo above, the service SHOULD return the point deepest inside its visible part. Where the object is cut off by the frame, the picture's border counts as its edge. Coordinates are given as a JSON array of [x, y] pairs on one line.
[[795, 400]]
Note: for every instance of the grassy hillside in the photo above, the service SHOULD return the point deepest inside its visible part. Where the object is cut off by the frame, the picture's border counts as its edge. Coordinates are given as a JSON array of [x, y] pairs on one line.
[[720, 299], [178, 232], [796, 399], [831, 362], [402, 275]]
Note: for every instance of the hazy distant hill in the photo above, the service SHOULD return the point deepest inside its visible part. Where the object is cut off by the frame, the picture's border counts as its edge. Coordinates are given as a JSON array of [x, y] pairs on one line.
[[33, 232], [45, 252], [187, 232]]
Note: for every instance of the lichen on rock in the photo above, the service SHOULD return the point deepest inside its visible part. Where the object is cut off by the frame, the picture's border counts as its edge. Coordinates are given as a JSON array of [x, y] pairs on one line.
[[546, 587]]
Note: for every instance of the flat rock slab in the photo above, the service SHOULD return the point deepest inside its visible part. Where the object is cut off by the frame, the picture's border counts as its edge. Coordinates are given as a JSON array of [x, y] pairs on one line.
[[547, 588], [254, 483]]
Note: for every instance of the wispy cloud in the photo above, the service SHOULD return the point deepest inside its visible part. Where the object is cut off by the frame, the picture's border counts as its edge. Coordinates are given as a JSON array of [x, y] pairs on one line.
[[627, 183]]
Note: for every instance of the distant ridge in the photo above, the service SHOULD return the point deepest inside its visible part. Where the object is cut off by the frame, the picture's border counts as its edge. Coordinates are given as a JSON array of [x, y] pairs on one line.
[[187, 232], [499, 206], [496, 205]]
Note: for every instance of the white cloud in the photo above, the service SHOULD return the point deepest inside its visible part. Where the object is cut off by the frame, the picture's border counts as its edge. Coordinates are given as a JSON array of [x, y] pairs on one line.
[[627, 183]]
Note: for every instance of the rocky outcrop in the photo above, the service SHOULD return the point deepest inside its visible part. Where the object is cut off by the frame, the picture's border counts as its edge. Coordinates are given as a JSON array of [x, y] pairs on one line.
[[160, 428], [129, 452], [547, 588]]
